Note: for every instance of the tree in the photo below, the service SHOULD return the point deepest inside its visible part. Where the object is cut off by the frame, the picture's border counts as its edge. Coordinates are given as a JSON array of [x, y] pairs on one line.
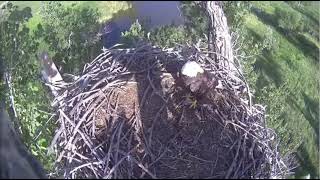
[[134, 35], [71, 33], [196, 20], [169, 36], [29, 98]]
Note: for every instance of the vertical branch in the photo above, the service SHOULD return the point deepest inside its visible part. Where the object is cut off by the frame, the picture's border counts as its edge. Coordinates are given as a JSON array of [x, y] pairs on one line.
[[8, 78], [220, 38], [211, 35], [2, 5], [13, 112]]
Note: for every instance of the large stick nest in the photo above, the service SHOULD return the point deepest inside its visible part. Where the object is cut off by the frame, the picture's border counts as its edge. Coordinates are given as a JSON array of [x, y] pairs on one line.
[[126, 117]]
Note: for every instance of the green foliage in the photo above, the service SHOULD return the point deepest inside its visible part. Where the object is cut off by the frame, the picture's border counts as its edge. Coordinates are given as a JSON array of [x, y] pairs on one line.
[[134, 35], [311, 13], [275, 98], [270, 42], [288, 19], [169, 36], [236, 11], [164, 36], [33, 107], [196, 23], [281, 74], [71, 33], [18, 49], [246, 43]]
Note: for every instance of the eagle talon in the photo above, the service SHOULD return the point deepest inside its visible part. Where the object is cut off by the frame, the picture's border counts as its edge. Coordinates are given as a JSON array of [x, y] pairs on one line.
[[194, 104], [191, 100]]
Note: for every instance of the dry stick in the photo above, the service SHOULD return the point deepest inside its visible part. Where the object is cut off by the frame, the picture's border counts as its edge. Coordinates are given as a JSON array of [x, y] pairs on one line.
[[143, 168], [155, 89], [55, 138], [238, 70], [140, 125], [72, 158], [231, 147], [84, 165], [110, 94], [117, 145], [240, 162], [93, 170], [83, 94], [234, 161], [246, 169], [109, 153], [113, 169], [64, 128], [144, 96], [153, 123], [84, 137], [81, 156], [129, 169], [216, 161], [200, 159], [76, 128], [161, 155], [99, 57], [94, 123], [229, 122], [81, 102]]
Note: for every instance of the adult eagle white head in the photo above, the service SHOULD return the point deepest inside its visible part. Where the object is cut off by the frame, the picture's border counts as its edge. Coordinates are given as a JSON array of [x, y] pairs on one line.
[[191, 69], [197, 79]]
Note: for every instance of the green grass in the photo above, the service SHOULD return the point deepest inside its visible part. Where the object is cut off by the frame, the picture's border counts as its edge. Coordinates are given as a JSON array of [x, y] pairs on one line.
[[107, 9], [295, 64], [311, 39]]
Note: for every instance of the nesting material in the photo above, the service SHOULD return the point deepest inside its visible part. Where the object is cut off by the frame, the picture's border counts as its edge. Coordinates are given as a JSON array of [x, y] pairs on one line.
[[129, 116]]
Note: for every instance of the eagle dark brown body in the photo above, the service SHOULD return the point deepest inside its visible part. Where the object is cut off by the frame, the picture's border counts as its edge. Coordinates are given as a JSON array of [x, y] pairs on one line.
[[197, 82], [200, 84]]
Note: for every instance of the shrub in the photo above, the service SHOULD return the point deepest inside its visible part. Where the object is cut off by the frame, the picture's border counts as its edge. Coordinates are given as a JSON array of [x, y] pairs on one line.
[[135, 34], [169, 36], [71, 33]]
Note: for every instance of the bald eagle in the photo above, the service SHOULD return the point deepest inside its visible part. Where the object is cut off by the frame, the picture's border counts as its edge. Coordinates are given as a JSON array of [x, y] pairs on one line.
[[197, 81]]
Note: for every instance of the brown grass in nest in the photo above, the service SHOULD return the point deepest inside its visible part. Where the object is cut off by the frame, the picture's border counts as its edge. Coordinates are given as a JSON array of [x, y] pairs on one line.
[[126, 117]]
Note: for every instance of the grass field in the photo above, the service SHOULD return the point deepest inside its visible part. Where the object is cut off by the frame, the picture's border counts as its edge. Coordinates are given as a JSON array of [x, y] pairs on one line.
[[294, 65], [106, 8]]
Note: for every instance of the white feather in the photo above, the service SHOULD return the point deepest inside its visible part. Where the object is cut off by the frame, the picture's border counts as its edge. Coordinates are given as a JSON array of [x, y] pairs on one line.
[[191, 69]]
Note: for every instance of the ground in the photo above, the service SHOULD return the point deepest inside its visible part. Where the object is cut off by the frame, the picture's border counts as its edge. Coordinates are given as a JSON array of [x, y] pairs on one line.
[[294, 68]]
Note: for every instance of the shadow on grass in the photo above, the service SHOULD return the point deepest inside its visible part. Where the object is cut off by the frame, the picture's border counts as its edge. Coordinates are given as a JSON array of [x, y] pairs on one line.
[[268, 66], [306, 13], [308, 48], [309, 110], [306, 167]]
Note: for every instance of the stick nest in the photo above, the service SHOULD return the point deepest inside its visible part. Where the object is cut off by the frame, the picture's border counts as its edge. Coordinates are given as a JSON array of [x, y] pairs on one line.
[[126, 117]]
